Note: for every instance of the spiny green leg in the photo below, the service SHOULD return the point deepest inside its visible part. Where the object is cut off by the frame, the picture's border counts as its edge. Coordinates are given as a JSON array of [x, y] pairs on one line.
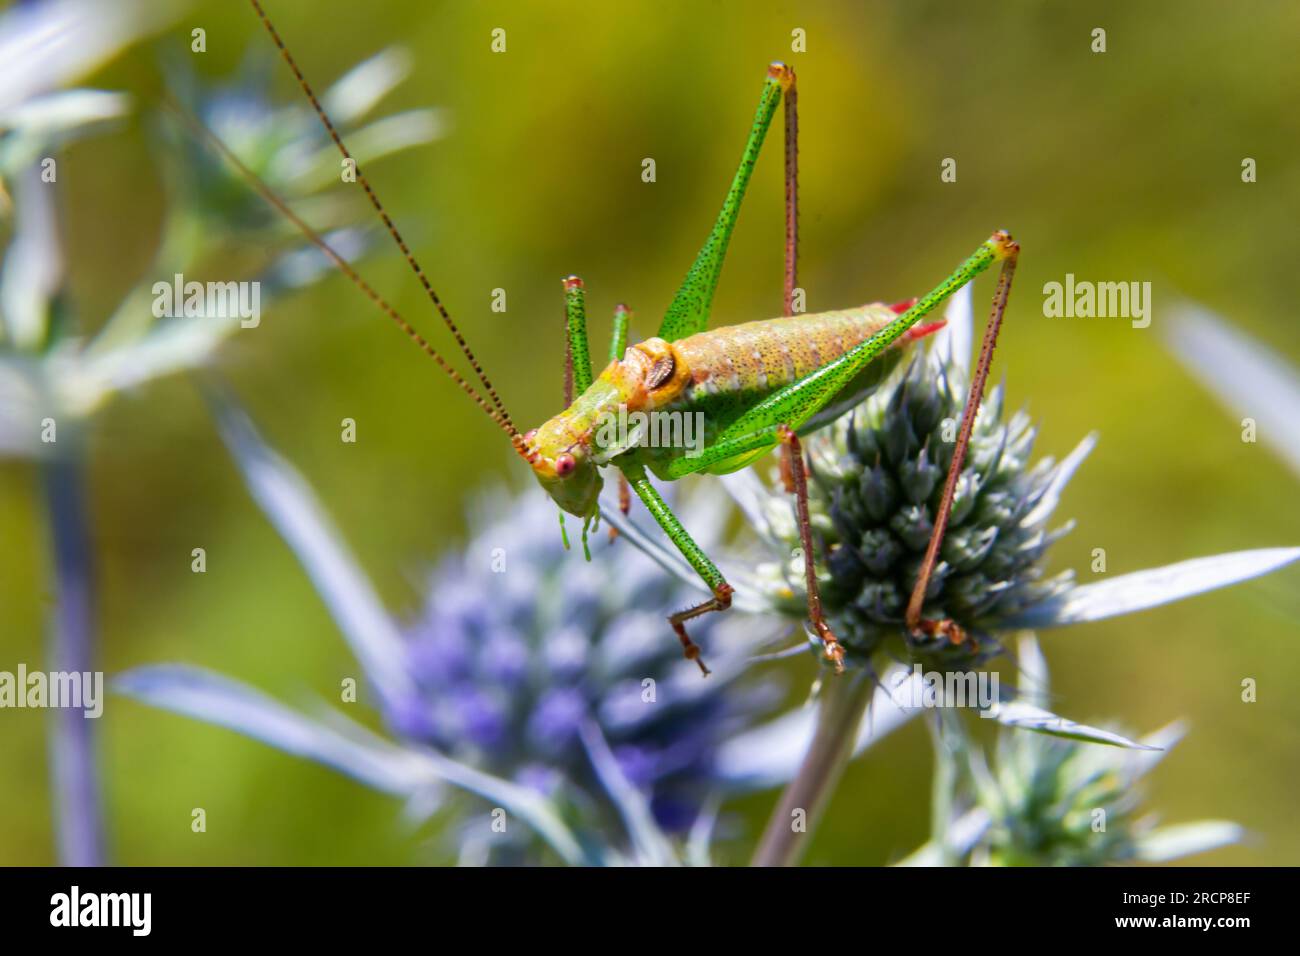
[[617, 346], [689, 311], [791, 193], [795, 404], [913, 620], [694, 555], [577, 366], [618, 341]]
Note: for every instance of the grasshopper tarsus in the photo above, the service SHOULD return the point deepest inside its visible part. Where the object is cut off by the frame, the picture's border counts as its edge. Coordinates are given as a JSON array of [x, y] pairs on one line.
[[704, 669], [720, 601], [832, 649]]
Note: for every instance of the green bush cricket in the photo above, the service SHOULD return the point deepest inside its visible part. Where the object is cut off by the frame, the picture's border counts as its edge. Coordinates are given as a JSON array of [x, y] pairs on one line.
[[757, 386]]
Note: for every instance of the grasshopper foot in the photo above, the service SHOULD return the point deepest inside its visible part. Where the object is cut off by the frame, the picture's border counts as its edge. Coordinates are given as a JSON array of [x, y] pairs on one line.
[[832, 649], [720, 601], [955, 634]]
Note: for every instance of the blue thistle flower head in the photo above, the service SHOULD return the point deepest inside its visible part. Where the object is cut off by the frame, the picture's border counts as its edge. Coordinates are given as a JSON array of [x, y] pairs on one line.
[[520, 643], [877, 477]]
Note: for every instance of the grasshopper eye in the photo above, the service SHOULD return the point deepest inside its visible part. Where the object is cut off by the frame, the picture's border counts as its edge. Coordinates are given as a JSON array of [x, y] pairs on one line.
[[565, 464]]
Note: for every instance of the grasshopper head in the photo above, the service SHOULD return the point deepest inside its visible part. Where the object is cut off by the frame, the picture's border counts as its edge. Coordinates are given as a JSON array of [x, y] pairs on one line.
[[564, 467]]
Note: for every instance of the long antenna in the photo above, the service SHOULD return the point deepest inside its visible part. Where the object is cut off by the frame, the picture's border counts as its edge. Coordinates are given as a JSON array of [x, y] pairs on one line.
[[383, 214], [347, 269]]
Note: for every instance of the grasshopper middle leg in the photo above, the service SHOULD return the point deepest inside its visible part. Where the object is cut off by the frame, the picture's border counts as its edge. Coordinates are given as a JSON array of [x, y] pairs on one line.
[[695, 556]]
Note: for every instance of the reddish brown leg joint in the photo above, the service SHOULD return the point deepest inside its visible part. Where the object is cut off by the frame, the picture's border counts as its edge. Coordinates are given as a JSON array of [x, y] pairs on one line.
[[720, 601], [795, 475], [787, 468]]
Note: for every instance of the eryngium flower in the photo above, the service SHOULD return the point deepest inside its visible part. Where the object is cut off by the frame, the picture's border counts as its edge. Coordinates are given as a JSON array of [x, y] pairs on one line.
[[550, 689], [1067, 796], [1057, 802], [876, 480], [521, 642], [286, 146]]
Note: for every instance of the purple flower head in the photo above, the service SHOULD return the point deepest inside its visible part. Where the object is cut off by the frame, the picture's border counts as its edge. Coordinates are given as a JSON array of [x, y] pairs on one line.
[[520, 642]]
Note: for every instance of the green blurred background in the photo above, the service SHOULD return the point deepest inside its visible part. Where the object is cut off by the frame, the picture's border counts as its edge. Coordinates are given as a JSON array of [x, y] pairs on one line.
[[1116, 166]]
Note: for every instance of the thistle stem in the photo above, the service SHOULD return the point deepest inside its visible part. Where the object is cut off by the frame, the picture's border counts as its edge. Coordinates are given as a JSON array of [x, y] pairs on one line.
[[945, 742], [74, 776], [843, 703]]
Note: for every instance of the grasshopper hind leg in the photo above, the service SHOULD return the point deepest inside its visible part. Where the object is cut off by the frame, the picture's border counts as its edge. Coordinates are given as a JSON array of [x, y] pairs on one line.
[[913, 620], [794, 475]]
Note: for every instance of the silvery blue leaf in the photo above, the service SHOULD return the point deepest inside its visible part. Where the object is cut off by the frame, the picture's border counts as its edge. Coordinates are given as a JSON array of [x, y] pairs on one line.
[[49, 45], [301, 267], [293, 509], [1161, 742], [1061, 476], [1146, 589], [652, 846], [219, 700], [358, 90], [20, 397], [701, 835], [1024, 716], [381, 138], [402, 771], [1035, 681], [663, 554], [35, 128], [33, 266], [64, 110], [1247, 378], [963, 834], [87, 379], [769, 755], [1179, 840]]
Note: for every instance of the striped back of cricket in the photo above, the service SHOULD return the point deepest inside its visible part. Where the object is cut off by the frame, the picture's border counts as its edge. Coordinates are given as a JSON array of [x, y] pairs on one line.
[[754, 359], [732, 368]]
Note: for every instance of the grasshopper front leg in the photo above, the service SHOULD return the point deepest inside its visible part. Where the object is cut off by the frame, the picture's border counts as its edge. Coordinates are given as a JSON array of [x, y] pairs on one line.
[[617, 346], [577, 366], [692, 552]]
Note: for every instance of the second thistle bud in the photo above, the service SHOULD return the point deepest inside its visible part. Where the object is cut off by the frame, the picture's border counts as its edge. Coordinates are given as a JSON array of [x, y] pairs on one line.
[[877, 477]]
